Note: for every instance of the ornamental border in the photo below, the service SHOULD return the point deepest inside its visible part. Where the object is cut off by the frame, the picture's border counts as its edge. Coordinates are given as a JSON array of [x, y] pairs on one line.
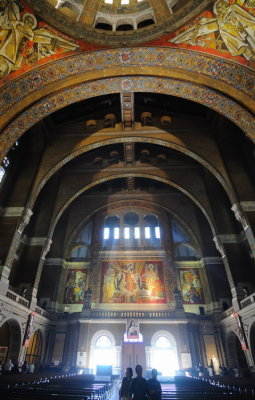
[[166, 60], [207, 97]]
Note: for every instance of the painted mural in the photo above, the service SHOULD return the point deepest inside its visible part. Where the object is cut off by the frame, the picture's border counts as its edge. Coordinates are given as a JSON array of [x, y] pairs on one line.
[[132, 282], [26, 41], [75, 286], [226, 30], [191, 287]]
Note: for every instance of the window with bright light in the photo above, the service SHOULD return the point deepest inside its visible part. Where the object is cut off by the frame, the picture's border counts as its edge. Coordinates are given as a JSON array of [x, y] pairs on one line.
[[103, 341], [116, 233], [157, 232], [2, 173], [124, 2], [126, 232], [137, 232], [108, 1], [147, 232], [106, 233]]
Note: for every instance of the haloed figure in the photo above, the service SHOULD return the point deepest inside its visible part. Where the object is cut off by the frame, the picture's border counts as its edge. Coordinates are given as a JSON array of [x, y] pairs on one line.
[[124, 393], [154, 386]]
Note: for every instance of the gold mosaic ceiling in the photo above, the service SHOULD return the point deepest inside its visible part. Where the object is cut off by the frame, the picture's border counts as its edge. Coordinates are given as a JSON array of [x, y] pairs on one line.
[[117, 22]]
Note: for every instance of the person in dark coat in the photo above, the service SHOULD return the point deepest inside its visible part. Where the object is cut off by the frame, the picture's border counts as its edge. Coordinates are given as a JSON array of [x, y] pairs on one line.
[[125, 385], [154, 386], [139, 389]]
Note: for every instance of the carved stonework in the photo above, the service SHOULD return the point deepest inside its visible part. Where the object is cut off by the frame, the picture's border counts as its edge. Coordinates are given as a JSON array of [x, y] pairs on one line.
[[237, 210], [219, 246], [27, 213], [46, 249]]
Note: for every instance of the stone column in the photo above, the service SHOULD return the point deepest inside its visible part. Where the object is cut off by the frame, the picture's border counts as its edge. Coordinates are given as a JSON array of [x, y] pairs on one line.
[[237, 293], [45, 250], [161, 10], [241, 217], [89, 11], [6, 268]]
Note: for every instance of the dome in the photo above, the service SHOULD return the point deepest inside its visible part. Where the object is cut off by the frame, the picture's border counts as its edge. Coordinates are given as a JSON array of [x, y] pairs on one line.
[[117, 22]]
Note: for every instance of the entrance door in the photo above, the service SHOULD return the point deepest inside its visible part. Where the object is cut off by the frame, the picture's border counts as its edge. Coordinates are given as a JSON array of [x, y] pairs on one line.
[[133, 354]]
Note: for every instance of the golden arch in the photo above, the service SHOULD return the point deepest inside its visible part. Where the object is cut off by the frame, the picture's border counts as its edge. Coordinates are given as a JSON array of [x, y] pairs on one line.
[[53, 92]]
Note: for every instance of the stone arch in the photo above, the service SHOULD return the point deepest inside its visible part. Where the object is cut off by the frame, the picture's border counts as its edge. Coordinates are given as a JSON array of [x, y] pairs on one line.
[[115, 204], [167, 70], [168, 144], [93, 348], [139, 175], [161, 356], [12, 328]]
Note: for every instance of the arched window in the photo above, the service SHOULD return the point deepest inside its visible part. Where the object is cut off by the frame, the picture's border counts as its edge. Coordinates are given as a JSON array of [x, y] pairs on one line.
[[111, 232], [131, 229], [164, 353], [103, 351], [179, 235], [183, 252], [81, 248], [151, 230]]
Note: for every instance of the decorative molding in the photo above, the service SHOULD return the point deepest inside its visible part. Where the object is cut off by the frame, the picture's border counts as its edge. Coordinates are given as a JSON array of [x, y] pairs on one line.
[[233, 238], [248, 205], [11, 211], [212, 260], [34, 241], [54, 261]]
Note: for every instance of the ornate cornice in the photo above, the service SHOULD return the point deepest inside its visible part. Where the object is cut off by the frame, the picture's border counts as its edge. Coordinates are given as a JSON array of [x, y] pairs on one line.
[[86, 32]]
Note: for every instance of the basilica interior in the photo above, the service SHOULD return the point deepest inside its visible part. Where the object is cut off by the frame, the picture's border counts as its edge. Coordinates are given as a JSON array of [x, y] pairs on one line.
[[127, 201]]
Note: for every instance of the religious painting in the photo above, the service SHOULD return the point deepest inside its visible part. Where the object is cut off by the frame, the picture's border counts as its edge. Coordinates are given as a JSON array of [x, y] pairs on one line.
[[132, 329], [25, 41], [191, 287], [132, 282], [75, 286], [226, 28]]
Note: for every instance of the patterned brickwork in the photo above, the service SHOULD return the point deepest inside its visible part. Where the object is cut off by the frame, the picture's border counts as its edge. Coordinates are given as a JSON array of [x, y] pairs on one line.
[[173, 60], [48, 105]]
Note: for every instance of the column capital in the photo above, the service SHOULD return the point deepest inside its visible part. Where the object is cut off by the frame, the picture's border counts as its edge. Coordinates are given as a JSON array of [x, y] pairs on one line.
[[219, 246], [25, 218], [47, 247], [239, 214]]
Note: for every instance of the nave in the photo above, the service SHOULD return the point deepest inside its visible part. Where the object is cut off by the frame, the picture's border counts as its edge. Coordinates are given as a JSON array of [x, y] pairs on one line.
[[77, 387]]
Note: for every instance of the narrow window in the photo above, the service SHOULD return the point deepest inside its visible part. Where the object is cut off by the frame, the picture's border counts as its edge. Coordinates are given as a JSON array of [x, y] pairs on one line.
[[116, 233], [106, 233], [157, 232], [137, 232], [147, 232], [126, 232]]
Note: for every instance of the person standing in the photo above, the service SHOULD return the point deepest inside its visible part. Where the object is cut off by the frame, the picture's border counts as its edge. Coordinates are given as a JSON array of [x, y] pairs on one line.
[[8, 366], [125, 385], [139, 389], [154, 386]]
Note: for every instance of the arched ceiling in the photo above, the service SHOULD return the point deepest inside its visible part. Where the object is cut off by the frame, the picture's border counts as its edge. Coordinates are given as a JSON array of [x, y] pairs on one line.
[[79, 18]]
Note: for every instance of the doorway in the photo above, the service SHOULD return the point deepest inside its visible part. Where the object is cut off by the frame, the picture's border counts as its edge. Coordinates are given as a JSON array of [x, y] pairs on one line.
[[133, 353]]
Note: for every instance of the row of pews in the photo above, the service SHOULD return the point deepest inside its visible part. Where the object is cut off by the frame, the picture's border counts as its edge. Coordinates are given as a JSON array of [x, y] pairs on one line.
[[79, 387], [62, 387], [195, 389]]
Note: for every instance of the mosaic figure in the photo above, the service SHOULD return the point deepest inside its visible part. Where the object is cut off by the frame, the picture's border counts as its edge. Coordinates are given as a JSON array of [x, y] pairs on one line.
[[20, 41], [132, 282], [234, 24], [191, 286]]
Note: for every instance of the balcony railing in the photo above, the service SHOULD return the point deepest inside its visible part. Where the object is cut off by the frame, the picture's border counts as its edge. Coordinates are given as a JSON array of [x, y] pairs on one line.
[[42, 312], [17, 298], [248, 301]]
